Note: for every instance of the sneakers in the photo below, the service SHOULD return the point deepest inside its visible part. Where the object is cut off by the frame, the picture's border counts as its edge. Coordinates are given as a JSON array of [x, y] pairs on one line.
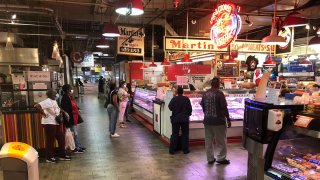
[[51, 160], [224, 162], [78, 151], [122, 125], [115, 135], [66, 158], [211, 162]]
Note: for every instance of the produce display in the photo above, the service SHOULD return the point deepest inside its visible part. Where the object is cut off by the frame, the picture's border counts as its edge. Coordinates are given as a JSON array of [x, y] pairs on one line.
[[292, 160], [144, 98]]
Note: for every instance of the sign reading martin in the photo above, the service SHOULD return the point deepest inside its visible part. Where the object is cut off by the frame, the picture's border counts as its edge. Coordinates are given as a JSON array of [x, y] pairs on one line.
[[131, 41]]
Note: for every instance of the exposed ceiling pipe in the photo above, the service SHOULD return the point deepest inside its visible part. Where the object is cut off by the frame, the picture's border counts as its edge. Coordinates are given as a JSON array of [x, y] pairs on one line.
[[33, 10], [49, 35], [79, 3]]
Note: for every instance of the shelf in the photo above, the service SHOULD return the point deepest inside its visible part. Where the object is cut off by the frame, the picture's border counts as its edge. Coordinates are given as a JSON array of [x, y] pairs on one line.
[[296, 74]]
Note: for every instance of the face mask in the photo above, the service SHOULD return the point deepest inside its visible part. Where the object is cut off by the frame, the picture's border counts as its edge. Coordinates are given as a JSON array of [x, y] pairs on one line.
[[124, 85], [71, 91]]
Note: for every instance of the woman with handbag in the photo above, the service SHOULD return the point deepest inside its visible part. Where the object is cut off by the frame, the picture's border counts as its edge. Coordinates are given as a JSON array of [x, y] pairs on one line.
[[50, 114], [70, 106]]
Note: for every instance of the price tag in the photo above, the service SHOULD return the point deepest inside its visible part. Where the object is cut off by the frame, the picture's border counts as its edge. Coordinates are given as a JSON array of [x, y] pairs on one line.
[[303, 121]]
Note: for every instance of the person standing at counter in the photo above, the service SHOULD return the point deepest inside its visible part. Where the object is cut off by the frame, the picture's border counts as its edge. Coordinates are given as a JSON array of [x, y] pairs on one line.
[[49, 109], [181, 111], [216, 120]]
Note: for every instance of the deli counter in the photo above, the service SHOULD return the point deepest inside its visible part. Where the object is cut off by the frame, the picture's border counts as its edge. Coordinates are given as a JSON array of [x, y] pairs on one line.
[[235, 100], [295, 152], [143, 103]]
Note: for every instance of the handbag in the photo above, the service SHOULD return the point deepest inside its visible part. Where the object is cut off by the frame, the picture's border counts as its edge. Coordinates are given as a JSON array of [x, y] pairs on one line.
[[59, 118], [69, 140], [80, 120]]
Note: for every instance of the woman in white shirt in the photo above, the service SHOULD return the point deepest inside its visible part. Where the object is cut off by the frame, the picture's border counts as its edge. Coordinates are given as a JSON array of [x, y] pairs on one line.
[[49, 110]]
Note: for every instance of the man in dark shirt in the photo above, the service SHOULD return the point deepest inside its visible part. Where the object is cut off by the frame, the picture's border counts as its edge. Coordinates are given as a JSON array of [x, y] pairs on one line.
[[216, 118], [181, 110]]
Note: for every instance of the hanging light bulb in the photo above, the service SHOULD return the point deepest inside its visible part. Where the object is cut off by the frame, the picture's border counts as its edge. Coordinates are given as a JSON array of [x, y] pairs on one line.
[[130, 7], [55, 51], [9, 46]]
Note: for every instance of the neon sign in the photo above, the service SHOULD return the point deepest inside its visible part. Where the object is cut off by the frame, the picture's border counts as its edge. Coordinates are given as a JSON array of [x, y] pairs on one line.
[[225, 24]]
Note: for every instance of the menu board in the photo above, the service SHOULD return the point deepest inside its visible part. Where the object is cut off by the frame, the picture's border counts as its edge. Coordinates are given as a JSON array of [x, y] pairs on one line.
[[227, 70]]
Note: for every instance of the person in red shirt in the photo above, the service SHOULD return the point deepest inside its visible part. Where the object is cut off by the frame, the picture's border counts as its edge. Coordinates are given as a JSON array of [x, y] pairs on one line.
[[70, 106]]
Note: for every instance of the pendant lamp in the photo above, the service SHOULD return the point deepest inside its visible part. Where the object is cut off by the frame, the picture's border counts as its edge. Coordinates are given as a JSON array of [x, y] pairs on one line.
[[9, 46], [143, 66], [152, 65], [318, 32], [165, 62], [230, 60], [269, 62], [103, 44], [186, 59], [315, 41], [110, 30], [294, 19], [274, 38], [130, 7]]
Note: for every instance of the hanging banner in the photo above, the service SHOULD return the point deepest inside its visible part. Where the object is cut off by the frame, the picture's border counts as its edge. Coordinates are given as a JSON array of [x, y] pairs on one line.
[[206, 45], [225, 24], [134, 46], [88, 61], [288, 35]]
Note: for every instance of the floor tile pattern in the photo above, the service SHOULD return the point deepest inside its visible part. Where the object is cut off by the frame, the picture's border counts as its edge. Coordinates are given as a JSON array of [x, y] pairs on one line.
[[136, 155]]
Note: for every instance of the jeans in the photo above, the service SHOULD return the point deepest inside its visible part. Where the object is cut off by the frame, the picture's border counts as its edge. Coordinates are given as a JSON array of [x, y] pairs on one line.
[[113, 117], [74, 129], [218, 133], [174, 140]]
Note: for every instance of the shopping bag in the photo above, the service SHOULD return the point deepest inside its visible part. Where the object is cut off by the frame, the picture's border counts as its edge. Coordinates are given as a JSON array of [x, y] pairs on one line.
[[69, 140]]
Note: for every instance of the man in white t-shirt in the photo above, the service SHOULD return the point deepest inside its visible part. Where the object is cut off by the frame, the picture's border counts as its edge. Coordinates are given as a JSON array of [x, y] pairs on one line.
[[49, 110]]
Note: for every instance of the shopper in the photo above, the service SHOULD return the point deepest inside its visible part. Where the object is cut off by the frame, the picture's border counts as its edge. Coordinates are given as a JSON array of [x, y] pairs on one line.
[[216, 116], [49, 110], [181, 111], [100, 87], [124, 99], [70, 106], [113, 110], [129, 104]]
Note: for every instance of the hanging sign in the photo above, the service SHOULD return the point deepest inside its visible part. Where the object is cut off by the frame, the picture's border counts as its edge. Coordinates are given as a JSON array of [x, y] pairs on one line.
[[225, 24], [206, 45], [287, 34], [134, 46]]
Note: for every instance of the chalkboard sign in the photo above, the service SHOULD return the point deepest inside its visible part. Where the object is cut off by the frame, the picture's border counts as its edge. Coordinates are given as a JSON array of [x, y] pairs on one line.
[[227, 70]]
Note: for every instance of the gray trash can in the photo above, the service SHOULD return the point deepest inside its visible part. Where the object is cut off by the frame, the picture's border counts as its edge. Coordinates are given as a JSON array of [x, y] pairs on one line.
[[19, 161]]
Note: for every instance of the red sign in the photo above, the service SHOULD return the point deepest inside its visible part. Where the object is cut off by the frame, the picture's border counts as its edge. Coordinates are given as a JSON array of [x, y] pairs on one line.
[[225, 24]]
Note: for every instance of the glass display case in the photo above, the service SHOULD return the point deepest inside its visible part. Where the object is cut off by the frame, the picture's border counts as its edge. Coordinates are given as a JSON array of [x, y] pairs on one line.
[[296, 153], [235, 106], [197, 113], [144, 98]]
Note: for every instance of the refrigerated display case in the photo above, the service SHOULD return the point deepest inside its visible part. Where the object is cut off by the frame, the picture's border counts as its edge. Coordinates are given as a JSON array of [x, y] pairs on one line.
[[144, 98], [295, 153], [143, 103]]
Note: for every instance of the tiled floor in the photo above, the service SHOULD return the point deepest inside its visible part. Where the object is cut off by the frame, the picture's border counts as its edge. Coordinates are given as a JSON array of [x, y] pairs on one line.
[[137, 154]]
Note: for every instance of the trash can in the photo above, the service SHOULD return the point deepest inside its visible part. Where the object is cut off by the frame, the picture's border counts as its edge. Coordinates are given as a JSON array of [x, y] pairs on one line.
[[19, 161]]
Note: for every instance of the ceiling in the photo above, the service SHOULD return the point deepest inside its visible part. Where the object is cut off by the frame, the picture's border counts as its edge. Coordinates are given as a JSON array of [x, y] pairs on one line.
[[78, 23]]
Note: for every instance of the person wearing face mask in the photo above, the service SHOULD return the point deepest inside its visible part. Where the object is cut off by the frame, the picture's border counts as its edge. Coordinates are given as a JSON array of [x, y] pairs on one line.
[[124, 98], [69, 105]]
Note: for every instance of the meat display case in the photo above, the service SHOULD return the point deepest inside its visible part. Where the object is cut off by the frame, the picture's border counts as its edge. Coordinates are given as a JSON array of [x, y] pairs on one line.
[[144, 98], [235, 105], [295, 152]]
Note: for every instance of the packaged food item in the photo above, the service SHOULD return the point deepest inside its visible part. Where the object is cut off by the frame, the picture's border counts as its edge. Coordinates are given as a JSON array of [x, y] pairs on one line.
[[297, 177], [285, 168], [294, 163]]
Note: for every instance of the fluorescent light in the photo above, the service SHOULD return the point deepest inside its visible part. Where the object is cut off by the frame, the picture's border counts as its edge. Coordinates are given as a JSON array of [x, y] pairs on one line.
[[105, 54]]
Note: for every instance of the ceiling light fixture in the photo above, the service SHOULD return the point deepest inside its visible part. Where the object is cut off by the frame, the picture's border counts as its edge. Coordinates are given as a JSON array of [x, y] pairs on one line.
[[14, 16], [9, 46], [250, 23], [103, 44], [294, 19], [318, 32], [230, 60], [308, 26], [269, 62], [274, 38], [165, 62], [130, 7], [110, 30], [315, 41]]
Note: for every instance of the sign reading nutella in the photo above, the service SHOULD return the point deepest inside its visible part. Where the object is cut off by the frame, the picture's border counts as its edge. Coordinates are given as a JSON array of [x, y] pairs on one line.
[[225, 24]]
